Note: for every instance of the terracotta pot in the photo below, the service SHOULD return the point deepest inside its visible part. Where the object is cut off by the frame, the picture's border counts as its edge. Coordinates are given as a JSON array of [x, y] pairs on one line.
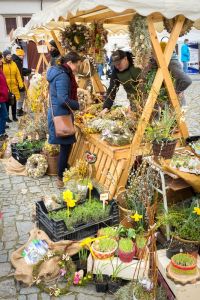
[[183, 268], [52, 165], [127, 257], [164, 149], [103, 255]]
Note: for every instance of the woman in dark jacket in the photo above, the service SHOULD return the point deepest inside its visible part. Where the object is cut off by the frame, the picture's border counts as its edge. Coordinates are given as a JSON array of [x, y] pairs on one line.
[[63, 92], [3, 100]]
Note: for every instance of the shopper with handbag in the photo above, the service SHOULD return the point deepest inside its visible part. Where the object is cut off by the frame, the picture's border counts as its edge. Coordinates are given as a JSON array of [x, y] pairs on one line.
[[63, 101], [3, 100], [14, 82]]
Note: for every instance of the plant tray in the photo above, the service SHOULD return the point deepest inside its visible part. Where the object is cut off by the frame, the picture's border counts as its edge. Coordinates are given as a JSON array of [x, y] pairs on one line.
[[22, 155], [57, 230]]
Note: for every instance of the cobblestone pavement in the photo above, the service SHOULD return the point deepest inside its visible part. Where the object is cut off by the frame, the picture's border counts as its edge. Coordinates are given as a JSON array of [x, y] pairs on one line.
[[17, 214]]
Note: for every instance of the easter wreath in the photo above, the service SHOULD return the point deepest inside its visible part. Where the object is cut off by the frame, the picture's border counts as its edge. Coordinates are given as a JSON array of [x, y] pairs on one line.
[[36, 166], [67, 271]]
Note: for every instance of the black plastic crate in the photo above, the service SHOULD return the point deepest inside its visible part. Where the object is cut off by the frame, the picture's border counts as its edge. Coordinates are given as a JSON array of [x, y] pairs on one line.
[[57, 230]]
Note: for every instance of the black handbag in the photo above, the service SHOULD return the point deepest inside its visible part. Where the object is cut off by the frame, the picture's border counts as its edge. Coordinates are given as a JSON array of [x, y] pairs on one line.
[[11, 98]]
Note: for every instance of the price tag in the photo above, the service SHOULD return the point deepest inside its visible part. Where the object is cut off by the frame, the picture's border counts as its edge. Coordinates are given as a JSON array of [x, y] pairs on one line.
[[104, 197]]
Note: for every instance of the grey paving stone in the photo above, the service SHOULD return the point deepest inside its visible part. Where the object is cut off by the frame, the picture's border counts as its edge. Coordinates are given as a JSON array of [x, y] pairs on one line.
[[9, 234], [1, 245], [29, 290], [4, 269], [44, 296], [67, 297], [109, 297], [35, 189], [88, 297], [17, 179], [21, 297], [7, 289], [32, 297], [89, 289], [3, 258], [24, 227]]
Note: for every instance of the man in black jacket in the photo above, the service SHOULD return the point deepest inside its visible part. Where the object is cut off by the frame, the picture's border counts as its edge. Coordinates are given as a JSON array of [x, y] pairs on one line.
[[54, 52], [124, 73], [18, 59]]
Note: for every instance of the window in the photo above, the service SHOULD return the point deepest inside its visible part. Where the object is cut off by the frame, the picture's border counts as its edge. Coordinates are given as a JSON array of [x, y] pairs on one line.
[[11, 24], [25, 20]]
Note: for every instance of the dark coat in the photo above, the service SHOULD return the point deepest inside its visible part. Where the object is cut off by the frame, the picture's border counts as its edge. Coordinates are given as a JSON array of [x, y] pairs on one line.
[[19, 62], [60, 86]]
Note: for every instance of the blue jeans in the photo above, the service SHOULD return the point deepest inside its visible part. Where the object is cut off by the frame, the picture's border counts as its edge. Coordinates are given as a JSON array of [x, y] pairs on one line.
[[185, 66], [63, 158], [3, 117]]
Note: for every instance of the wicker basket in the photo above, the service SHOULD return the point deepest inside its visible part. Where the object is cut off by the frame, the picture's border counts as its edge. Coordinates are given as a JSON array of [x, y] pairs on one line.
[[52, 165], [164, 149], [124, 213]]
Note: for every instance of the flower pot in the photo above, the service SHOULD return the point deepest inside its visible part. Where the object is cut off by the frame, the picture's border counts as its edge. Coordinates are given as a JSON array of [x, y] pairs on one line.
[[52, 165], [113, 286], [183, 268], [103, 255], [177, 246], [101, 287], [127, 257], [164, 149]]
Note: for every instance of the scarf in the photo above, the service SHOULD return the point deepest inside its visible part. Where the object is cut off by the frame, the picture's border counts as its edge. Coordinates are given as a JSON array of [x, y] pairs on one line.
[[74, 85]]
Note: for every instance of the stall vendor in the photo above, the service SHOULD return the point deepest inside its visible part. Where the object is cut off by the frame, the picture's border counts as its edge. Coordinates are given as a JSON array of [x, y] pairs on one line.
[[124, 73]]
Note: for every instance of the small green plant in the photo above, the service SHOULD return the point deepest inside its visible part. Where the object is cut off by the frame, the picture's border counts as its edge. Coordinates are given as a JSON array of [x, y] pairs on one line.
[[84, 213], [126, 245], [127, 232], [105, 245], [109, 232], [141, 241], [30, 145], [162, 130], [184, 259], [83, 255], [116, 269]]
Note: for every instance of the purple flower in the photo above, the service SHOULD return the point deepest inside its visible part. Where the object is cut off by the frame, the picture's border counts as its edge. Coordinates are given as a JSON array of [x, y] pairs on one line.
[[62, 272]]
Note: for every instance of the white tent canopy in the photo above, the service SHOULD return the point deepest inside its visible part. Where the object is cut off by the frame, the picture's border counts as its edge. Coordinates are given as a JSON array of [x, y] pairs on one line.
[[168, 8]]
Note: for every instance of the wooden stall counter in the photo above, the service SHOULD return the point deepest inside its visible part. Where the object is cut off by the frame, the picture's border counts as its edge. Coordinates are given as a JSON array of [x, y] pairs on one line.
[[111, 160]]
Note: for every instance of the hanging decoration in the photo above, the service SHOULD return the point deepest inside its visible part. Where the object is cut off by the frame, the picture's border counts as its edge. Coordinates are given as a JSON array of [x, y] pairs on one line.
[[140, 41], [76, 37], [169, 25], [99, 37]]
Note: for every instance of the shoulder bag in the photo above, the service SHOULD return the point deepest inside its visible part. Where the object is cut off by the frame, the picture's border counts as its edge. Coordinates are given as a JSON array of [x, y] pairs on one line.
[[63, 124]]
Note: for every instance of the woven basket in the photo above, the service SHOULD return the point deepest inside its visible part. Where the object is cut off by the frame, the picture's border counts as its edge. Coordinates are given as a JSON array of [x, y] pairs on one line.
[[124, 213], [164, 149], [52, 165]]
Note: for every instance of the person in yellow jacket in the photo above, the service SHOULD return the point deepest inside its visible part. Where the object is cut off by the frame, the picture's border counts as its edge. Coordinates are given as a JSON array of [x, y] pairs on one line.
[[13, 79]]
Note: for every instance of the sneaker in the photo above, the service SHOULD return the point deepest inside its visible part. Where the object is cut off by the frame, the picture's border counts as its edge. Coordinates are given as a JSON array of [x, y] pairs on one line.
[[9, 120], [59, 183], [15, 119]]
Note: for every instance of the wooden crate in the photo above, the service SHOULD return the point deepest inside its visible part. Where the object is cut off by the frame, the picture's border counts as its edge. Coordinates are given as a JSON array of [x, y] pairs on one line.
[[111, 160]]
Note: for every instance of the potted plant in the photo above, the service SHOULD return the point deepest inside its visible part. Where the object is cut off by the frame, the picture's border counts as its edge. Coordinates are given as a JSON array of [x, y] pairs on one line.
[[82, 262], [126, 250], [104, 248], [51, 152], [101, 282], [160, 133], [111, 232], [184, 263]]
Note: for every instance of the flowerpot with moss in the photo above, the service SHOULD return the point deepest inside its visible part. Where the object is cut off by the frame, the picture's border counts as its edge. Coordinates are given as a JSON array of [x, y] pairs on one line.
[[126, 250], [160, 133], [51, 152], [104, 248], [184, 264]]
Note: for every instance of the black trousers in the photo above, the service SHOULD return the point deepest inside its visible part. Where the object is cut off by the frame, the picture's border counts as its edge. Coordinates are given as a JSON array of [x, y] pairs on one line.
[[63, 158], [13, 108]]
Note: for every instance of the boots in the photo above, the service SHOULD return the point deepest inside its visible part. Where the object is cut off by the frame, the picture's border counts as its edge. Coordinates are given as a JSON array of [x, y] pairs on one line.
[[14, 108]]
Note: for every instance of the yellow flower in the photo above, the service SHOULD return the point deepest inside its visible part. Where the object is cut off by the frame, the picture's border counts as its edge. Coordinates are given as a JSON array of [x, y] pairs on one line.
[[136, 217], [71, 203], [67, 195], [196, 211], [90, 186]]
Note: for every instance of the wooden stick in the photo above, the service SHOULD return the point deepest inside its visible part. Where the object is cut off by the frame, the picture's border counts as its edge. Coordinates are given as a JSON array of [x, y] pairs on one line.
[[61, 50]]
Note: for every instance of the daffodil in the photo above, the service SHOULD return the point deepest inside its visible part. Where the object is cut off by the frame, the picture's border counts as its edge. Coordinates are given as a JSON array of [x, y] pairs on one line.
[[136, 217], [196, 211], [71, 203], [68, 198], [90, 187]]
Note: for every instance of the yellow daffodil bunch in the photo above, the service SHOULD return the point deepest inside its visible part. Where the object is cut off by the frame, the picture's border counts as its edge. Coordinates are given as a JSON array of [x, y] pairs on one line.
[[196, 210], [68, 198], [136, 217]]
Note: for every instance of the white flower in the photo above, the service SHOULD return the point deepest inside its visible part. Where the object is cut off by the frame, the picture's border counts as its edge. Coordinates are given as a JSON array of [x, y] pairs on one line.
[[142, 46], [142, 37]]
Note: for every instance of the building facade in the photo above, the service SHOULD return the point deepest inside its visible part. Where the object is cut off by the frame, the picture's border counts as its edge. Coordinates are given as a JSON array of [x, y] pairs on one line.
[[15, 14]]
